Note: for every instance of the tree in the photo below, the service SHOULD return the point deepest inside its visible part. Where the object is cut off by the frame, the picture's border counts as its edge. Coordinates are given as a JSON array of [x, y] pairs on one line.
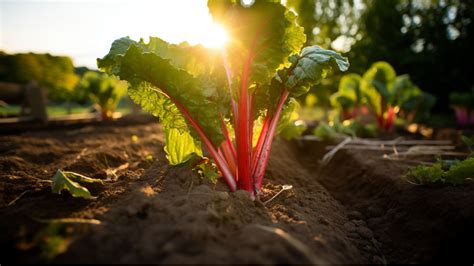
[[430, 39], [56, 73]]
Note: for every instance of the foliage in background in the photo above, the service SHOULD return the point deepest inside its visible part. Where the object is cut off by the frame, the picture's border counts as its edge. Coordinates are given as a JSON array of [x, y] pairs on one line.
[[349, 97], [290, 126], [430, 40], [349, 128], [56, 73], [384, 95], [447, 171], [103, 90]]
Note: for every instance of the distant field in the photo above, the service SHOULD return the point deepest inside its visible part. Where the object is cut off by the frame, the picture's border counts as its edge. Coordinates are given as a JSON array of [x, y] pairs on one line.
[[56, 110]]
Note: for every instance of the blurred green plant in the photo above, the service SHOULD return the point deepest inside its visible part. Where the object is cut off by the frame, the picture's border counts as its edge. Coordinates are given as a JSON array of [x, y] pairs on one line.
[[351, 128], [349, 97], [103, 90], [383, 94], [290, 125]]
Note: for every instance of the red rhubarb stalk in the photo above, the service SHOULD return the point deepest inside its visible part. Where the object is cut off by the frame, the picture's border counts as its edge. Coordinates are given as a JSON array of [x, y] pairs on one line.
[[265, 152], [220, 162], [390, 118]]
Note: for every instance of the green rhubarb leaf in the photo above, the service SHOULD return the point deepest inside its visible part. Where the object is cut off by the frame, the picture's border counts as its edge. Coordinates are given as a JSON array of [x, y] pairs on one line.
[[310, 67], [404, 93], [156, 103], [350, 87], [111, 62], [196, 60], [69, 181], [180, 146], [342, 101], [379, 77], [159, 83], [377, 83], [263, 35]]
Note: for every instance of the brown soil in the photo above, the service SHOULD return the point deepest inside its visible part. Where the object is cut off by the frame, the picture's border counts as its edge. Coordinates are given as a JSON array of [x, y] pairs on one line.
[[413, 223], [351, 211]]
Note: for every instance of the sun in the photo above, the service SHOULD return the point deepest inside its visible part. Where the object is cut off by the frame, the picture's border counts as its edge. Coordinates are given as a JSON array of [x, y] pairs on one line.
[[216, 37]]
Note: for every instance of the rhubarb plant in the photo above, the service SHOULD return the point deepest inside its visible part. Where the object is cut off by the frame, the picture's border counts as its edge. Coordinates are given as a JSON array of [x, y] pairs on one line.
[[377, 85], [104, 91], [349, 97], [228, 100], [387, 95]]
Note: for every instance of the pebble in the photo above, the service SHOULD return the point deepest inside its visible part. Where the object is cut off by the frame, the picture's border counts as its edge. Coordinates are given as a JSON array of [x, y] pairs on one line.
[[354, 215], [350, 227], [365, 232], [374, 211], [323, 220], [223, 195], [203, 189], [242, 195], [359, 223]]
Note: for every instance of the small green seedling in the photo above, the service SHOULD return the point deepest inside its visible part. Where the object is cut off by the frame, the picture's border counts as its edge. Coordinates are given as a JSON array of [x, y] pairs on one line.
[[455, 174]]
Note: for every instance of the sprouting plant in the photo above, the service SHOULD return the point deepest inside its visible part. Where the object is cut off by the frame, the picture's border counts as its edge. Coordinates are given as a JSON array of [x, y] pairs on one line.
[[216, 97], [455, 173], [103, 90], [70, 181]]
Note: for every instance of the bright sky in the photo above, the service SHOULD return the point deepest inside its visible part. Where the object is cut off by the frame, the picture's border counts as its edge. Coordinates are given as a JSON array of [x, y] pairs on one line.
[[85, 29]]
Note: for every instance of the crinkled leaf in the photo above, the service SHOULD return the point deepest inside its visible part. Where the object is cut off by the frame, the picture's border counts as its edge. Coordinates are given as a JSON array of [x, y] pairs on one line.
[[350, 87], [196, 60], [310, 67], [377, 83], [180, 146], [69, 181], [112, 61], [156, 103], [203, 96]]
